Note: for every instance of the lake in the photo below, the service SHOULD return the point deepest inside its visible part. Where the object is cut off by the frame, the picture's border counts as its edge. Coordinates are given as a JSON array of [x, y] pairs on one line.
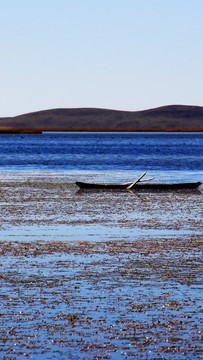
[[102, 151], [100, 275]]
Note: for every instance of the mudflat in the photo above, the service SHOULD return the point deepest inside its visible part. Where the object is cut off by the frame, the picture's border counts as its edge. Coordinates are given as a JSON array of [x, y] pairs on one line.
[[103, 275]]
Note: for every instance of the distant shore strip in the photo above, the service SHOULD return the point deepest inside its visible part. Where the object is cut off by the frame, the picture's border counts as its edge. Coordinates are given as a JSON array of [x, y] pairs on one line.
[[4, 130]]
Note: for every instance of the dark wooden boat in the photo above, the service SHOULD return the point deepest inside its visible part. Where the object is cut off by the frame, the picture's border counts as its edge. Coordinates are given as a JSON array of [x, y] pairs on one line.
[[139, 186]]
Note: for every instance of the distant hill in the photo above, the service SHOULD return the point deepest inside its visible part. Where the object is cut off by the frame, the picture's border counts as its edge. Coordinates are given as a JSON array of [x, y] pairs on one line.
[[172, 117]]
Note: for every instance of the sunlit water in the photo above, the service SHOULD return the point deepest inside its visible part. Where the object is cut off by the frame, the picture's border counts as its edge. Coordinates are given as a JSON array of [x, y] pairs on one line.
[[102, 151]]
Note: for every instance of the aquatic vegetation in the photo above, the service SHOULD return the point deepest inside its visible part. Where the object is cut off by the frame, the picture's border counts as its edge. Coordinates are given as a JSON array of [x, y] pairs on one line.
[[99, 277]]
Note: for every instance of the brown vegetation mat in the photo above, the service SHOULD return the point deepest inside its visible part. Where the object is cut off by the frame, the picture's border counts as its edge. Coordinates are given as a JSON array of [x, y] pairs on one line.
[[99, 276], [107, 300]]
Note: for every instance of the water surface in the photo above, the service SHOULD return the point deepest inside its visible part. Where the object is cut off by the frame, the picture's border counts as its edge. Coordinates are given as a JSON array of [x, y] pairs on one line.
[[107, 275]]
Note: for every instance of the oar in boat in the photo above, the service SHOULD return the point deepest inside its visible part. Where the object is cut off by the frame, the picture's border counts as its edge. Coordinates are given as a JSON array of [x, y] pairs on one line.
[[146, 179], [135, 182], [131, 182]]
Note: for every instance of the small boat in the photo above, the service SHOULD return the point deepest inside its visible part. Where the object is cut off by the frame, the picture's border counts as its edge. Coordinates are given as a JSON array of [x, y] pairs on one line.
[[139, 186]]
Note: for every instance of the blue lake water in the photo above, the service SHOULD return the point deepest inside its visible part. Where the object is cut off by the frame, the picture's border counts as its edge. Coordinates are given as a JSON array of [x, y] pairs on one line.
[[111, 155], [99, 275]]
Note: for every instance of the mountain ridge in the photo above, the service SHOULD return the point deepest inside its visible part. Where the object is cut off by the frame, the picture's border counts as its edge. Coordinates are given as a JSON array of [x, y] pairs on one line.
[[173, 117]]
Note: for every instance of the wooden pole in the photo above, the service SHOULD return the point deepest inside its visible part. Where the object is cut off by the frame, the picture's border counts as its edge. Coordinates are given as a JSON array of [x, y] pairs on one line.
[[130, 182], [131, 185], [146, 179]]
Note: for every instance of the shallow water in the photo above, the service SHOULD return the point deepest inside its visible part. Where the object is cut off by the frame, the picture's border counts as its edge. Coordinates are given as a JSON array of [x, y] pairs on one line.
[[107, 275]]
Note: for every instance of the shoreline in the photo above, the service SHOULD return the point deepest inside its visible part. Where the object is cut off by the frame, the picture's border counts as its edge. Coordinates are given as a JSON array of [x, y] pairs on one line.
[[4, 130]]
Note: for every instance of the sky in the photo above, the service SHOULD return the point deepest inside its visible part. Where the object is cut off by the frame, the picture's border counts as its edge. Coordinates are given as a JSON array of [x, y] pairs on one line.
[[116, 54]]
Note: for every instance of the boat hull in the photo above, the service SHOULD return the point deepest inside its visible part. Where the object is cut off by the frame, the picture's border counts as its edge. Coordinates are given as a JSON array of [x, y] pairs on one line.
[[139, 186]]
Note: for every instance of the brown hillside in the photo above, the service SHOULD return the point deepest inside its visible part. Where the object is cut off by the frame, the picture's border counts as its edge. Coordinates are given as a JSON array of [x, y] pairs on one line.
[[170, 117]]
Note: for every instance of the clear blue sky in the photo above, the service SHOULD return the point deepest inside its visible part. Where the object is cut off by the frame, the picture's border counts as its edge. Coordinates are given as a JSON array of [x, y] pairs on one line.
[[117, 54]]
